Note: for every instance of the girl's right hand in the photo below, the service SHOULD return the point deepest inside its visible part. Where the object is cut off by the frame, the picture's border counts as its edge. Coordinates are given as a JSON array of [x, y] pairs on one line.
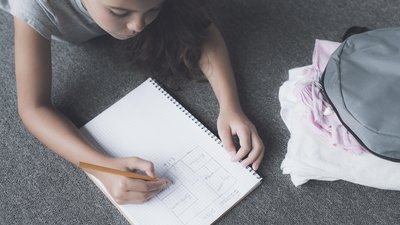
[[125, 190]]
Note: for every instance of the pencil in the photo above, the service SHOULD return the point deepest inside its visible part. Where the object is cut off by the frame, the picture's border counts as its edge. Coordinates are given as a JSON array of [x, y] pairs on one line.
[[84, 165]]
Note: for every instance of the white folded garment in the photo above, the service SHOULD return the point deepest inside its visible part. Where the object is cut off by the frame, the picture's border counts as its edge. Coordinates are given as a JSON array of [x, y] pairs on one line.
[[310, 157]]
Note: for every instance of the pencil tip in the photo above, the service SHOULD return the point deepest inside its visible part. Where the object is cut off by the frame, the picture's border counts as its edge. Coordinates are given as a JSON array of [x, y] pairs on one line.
[[167, 182]]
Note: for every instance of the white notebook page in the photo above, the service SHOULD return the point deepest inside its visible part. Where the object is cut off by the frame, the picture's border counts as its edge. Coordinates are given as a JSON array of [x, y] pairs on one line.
[[149, 124]]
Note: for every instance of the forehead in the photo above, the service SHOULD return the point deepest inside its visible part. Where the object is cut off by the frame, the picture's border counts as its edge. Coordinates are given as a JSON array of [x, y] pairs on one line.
[[134, 5]]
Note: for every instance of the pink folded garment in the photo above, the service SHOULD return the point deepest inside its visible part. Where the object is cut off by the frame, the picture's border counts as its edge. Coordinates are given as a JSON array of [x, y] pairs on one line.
[[317, 108]]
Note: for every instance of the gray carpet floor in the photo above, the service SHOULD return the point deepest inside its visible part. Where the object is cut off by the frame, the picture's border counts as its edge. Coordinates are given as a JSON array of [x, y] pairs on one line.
[[265, 39]]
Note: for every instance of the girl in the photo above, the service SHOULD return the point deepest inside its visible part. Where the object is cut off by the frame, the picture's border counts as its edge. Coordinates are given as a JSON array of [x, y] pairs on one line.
[[157, 37]]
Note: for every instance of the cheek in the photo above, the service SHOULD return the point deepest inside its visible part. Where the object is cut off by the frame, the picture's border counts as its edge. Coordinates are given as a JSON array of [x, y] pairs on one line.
[[106, 21], [109, 24]]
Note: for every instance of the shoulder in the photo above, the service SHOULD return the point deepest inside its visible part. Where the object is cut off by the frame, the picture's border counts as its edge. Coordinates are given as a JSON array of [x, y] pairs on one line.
[[63, 20], [32, 13]]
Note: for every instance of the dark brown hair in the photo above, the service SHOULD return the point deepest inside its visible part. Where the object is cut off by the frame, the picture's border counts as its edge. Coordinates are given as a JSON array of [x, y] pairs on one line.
[[172, 43]]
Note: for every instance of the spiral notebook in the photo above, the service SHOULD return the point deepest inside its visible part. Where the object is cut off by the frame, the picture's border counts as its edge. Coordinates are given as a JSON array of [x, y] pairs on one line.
[[150, 124]]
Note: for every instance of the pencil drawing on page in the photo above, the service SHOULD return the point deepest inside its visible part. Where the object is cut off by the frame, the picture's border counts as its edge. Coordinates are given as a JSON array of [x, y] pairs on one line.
[[194, 176]]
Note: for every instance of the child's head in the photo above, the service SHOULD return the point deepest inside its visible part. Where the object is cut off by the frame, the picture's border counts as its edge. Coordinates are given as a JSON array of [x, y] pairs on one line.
[[168, 35], [123, 19]]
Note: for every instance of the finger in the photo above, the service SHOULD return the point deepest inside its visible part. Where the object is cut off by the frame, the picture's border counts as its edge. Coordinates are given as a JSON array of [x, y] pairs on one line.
[[257, 149], [245, 144], [135, 197], [227, 140], [136, 163], [143, 186], [257, 163], [261, 147]]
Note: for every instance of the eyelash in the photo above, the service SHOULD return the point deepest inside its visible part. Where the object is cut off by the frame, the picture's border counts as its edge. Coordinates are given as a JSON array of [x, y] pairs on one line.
[[119, 15], [127, 13]]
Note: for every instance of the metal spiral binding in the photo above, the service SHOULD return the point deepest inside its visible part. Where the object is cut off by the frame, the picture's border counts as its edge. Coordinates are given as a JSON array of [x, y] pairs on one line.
[[199, 124]]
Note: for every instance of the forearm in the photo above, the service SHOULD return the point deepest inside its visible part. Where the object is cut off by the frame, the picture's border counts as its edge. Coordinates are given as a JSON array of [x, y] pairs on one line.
[[60, 135], [216, 66], [33, 81]]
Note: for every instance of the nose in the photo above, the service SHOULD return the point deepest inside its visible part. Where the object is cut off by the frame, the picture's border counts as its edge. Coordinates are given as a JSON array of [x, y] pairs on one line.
[[136, 25]]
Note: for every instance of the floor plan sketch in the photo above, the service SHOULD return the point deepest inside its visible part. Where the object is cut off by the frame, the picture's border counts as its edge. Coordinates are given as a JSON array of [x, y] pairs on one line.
[[195, 176]]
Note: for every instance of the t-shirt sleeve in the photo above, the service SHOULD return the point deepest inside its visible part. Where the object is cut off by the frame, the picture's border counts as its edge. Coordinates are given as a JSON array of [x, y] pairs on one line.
[[34, 15]]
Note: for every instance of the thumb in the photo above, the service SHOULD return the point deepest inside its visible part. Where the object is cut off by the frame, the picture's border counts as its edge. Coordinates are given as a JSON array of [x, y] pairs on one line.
[[136, 163]]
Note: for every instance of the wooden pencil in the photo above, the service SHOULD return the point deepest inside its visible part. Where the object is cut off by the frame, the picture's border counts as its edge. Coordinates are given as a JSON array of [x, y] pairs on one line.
[[84, 165]]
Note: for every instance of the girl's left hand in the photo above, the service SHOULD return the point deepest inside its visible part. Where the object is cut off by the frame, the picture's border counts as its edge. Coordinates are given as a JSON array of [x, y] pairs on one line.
[[251, 149]]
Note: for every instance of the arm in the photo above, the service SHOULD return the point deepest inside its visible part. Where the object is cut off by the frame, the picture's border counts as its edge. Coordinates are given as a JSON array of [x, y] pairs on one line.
[[216, 66], [33, 80]]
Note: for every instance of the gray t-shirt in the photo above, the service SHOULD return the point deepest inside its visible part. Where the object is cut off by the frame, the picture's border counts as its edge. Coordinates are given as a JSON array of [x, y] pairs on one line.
[[65, 20]]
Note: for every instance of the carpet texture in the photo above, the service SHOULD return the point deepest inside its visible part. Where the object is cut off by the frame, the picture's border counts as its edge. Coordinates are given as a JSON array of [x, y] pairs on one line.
[[265, 39]]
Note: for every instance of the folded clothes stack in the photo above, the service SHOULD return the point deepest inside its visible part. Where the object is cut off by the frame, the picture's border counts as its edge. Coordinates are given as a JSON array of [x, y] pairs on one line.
[[320, 147]]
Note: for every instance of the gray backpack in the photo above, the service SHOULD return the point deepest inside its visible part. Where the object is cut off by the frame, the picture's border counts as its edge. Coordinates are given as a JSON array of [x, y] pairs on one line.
[[362, 83]]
